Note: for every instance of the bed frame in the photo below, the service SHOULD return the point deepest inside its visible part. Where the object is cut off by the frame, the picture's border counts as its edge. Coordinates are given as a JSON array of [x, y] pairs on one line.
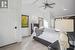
[[44, 42], [51, 46]]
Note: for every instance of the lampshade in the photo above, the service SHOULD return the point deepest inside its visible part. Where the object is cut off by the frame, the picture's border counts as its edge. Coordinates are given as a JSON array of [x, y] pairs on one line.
[[66, 25]]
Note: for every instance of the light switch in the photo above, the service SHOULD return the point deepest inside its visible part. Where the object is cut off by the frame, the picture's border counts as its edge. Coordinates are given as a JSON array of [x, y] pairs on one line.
[[3, 3]]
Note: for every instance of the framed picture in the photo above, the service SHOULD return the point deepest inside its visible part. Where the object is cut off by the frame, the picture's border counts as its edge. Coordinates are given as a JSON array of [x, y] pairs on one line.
[[24, 21]]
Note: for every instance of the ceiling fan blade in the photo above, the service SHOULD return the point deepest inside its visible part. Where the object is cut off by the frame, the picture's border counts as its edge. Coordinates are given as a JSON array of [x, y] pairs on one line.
[[35, 1], [52, 4], [45, 7]]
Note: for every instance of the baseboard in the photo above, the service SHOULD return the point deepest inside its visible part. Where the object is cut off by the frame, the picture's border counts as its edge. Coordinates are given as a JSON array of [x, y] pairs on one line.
[[8, 44]]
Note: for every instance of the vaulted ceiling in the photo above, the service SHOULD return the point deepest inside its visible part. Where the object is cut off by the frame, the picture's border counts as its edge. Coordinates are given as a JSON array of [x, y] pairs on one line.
[[62, 8]]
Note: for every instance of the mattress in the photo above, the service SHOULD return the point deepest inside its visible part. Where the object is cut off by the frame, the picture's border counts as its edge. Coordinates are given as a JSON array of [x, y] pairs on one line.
[[49, 35]]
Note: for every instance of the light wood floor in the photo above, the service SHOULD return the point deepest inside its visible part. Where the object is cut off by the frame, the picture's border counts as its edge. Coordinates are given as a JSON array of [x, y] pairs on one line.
[[27, 44]]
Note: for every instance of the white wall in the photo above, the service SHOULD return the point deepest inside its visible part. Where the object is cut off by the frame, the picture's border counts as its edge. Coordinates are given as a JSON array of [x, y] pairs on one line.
[[34, 12], [62, 8]]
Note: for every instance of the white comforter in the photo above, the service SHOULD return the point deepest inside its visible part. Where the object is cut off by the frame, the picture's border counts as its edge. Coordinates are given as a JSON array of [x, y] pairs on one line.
[[49, 35]]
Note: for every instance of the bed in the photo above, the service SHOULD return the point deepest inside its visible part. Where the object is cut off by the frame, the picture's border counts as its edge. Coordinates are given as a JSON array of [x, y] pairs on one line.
[[48, 37]]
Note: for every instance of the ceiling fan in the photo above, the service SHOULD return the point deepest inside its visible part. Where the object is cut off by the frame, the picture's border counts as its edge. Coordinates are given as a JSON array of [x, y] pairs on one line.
[[46, 4]]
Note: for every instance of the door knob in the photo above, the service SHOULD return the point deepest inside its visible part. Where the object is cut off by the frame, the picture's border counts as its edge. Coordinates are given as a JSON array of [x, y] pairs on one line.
[[15, 27]]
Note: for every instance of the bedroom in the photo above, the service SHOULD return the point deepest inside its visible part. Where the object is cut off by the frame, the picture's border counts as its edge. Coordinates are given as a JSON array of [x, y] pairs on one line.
[[38, 12]]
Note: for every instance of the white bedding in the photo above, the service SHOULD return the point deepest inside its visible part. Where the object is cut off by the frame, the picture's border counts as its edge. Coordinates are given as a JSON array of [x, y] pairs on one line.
[[49, 35]]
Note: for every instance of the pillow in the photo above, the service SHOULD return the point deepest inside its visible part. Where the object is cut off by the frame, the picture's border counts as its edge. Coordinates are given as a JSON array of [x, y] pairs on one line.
[[57, 30], [41, 28], [38, 31]]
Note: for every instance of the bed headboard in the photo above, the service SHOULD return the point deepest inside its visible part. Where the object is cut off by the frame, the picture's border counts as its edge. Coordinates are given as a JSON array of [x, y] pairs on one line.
[[69, 17]]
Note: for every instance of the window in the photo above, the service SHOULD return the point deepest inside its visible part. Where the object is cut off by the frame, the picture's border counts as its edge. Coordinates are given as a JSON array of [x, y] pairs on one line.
[[45, 23]]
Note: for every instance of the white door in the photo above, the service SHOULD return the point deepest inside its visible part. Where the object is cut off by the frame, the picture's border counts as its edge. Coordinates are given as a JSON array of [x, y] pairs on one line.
[[8, 21], [7, 31]]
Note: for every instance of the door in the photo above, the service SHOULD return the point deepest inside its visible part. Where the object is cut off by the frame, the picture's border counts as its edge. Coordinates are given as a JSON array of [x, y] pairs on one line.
[[9, 23], [8, 34]]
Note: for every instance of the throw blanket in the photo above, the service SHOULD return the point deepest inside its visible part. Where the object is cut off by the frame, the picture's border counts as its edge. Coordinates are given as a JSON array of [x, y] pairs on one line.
[[63, 40]]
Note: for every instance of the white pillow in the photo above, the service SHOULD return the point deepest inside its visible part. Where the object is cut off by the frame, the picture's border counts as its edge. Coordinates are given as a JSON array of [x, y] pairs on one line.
[[57, 30]]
